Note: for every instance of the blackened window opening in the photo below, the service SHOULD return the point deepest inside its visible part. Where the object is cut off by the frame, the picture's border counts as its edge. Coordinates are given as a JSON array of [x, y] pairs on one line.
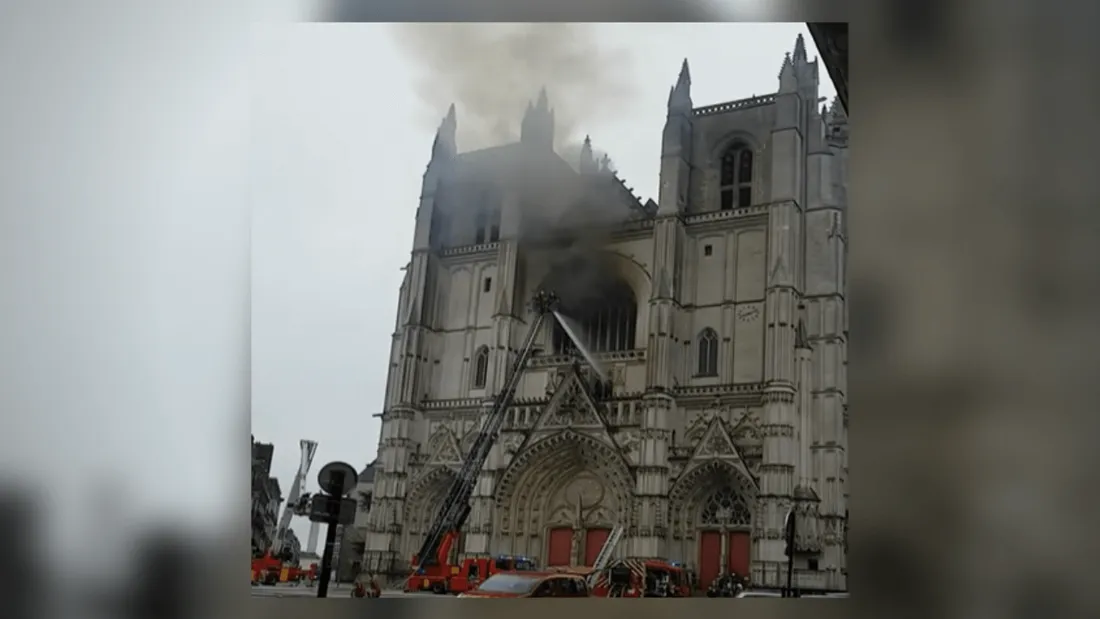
[[480, 222], [735, 186], [487, 219], [439, 233], [487, 226], [607, 325]]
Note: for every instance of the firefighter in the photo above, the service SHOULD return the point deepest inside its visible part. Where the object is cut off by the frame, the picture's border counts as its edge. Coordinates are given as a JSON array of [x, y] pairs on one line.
[[366, 585]]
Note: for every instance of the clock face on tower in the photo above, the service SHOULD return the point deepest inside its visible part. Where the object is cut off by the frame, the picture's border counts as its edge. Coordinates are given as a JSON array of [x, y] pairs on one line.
[[748, 313]]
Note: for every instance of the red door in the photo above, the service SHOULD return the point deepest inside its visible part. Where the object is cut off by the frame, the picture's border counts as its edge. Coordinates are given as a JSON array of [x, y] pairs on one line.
[[738, 559], [594, 540], [561, 546], [710, 557]]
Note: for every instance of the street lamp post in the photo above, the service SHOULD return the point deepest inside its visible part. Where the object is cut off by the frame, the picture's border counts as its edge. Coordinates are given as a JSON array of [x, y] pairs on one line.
[[789, 533]]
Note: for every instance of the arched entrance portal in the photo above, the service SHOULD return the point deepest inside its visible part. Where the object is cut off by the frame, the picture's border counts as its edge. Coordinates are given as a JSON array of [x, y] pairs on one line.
[[560, 499], [422, 507], [711, 520]]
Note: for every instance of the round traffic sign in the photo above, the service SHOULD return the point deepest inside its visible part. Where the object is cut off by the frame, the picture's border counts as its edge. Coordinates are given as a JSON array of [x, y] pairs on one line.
[[337, 478]]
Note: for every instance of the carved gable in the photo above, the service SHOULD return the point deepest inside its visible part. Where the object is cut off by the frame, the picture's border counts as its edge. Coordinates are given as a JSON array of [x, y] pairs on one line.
[[716, 444], [746, 437], [570, 407], [443, 448]]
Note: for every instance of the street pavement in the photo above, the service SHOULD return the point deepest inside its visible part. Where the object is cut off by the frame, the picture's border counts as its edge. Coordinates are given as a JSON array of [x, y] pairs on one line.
[[334, 591]]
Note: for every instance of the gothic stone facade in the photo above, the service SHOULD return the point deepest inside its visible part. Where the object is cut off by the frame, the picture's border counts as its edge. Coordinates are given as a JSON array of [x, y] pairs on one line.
[[718, 312]]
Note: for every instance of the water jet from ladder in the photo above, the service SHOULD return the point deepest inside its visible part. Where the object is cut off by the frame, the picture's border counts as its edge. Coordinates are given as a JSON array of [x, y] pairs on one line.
[[574, 334]]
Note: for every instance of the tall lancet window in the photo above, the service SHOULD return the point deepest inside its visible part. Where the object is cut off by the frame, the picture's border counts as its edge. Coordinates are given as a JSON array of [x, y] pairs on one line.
[[736, 177], [487, 220], [708, 353], [481, 367], [481, 225], [494, 225]]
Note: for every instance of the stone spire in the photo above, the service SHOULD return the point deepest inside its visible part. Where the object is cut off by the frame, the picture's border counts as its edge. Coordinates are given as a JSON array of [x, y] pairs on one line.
[[444, 146], [679, 96], [587, 163], [684, 80], [537, 128], [836, 110], [800, 49], [788, 79]]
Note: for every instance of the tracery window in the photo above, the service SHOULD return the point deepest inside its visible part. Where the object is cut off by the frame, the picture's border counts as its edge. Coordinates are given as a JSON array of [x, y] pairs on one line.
[[487, 220], [481, 367], [725, 507], [708, 353], [735, 182], [606, 324]]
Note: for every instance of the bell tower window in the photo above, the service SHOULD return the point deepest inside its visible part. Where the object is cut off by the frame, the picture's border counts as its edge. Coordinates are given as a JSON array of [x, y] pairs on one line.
[[735, 180]]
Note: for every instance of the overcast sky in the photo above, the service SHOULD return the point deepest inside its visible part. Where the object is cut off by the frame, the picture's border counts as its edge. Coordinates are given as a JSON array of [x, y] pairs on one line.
[[343, 118]]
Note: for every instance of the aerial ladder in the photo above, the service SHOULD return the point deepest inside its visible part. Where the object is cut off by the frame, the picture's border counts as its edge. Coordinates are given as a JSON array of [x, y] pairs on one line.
[[604, 558], [432, 559], [297, 503], [271, 568]]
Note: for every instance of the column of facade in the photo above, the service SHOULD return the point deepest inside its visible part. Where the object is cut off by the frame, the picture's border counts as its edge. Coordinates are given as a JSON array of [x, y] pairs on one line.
[[478, 530], [383, 552], [780, 316], [505, 317], [383, 543], [729, 317], [648, 528], [663, 349], [826, 290], [807, 537], [507, 327], [663, 309]]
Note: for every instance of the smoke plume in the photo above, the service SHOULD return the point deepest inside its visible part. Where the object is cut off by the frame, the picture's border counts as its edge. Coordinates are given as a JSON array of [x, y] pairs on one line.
[[492, 71]]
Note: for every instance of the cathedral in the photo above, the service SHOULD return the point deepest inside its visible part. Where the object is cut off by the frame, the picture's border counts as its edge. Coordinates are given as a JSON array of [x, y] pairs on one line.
[[717, 317]]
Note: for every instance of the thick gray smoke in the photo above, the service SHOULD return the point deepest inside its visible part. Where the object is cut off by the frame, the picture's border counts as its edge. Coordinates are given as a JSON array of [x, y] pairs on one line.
[[571, 152], [492, 71]]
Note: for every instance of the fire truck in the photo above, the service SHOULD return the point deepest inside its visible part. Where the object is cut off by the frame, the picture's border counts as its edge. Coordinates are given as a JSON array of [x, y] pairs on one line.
[[269, 570], [273, 567], [635, 578]]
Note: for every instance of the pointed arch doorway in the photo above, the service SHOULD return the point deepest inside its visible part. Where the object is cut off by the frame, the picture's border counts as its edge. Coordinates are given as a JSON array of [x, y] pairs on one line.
[[711, 518], [560, 498], [724, 527]]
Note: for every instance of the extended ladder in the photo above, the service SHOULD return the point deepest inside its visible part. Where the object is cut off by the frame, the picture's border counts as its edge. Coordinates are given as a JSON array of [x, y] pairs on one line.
[[456, 505], [604, 558]]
